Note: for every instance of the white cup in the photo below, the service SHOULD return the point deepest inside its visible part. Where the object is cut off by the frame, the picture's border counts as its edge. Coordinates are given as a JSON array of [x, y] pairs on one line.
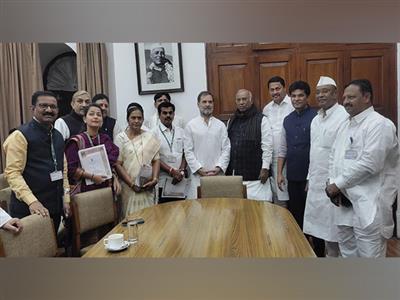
[[114, 241]]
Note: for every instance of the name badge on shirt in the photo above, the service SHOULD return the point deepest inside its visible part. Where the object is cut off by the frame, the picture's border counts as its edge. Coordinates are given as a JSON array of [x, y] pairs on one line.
[[350, 154], [56, 175], [171, 159]]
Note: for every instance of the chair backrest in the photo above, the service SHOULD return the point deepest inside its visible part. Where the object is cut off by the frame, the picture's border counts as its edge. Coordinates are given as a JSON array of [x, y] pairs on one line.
[[93, 209], [3, 182], [222, 186], [5, 196], [37, 239]]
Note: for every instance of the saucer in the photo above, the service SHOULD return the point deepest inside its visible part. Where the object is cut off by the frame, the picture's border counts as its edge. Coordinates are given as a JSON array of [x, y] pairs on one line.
[[124, 246]]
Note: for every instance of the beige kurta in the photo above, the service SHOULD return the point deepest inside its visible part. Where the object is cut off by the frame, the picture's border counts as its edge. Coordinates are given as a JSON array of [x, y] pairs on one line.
[[142, 149]]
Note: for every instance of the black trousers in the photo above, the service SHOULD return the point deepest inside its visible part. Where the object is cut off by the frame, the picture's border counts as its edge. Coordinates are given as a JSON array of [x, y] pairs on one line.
[[318, 245], [297, 200]]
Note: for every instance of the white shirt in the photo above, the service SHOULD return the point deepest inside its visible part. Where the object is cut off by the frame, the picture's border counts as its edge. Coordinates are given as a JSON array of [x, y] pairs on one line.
[[364, 154], [206, 145], [171, 147], [154, 121], [276, 113], [319, 211], [266, 143], [4, 217], [62, 127]]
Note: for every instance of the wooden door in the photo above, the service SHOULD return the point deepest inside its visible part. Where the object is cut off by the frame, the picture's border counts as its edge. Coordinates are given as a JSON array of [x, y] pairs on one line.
[[313, 65], [231, 66], [267, 66], [228, 75], [375, 66]]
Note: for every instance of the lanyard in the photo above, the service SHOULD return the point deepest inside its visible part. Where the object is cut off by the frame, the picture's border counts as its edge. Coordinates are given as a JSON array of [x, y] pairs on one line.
[[165, 137], [53, 151], [90, 140], [134, 148]]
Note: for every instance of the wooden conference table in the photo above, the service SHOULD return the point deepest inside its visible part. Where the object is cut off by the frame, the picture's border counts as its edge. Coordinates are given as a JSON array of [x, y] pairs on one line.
[[215, 227]]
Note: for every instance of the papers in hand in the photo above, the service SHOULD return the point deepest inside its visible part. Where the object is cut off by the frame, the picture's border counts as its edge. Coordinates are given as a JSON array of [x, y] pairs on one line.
[[145, 173], [178, 190], [94, 160]]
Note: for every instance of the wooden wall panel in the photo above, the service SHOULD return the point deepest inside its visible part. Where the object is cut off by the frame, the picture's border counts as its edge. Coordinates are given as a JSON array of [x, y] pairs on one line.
[[231, 66], [232, 78], [228, 74], [269, 66], [370, 64], [314, 65]]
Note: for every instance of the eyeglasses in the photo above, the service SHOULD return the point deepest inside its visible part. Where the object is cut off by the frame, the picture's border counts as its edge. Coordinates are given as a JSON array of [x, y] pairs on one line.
[[44, 106]]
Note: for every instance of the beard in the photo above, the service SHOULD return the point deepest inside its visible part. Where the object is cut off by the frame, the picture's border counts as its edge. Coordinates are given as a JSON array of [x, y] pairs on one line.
[[206, 111]]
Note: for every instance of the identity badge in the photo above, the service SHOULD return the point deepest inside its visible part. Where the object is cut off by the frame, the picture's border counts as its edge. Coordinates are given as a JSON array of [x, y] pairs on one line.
[[171, 159], [350, 154], [56, 175]]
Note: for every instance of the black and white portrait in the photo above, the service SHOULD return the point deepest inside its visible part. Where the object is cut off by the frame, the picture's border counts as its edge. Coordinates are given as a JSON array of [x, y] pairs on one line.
[[159, 67]]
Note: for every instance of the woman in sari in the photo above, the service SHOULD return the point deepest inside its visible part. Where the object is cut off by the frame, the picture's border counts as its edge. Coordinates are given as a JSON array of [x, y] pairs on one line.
[[91, 137], [139, 150]]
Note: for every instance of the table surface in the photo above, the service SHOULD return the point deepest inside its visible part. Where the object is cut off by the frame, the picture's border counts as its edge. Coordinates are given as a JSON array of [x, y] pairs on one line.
[[217, 227]]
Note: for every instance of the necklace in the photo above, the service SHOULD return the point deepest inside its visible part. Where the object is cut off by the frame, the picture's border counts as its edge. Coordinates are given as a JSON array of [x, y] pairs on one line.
[[90, 139]]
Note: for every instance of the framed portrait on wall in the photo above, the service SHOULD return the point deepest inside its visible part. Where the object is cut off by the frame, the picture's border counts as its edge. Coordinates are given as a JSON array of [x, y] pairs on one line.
[[159, 67]]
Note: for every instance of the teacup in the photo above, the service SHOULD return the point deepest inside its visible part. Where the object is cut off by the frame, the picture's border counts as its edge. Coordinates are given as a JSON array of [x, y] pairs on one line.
[[114, 241]]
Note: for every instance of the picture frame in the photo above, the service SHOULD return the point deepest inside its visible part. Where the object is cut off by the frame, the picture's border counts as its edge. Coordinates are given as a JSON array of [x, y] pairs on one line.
[[159, 67]]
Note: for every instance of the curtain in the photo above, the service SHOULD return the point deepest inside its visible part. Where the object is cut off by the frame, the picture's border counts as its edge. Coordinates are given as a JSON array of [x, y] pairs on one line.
[[92, 68], [20, 77]]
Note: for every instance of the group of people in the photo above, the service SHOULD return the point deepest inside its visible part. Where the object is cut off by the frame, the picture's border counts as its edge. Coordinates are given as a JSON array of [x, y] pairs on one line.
[[334, 169]]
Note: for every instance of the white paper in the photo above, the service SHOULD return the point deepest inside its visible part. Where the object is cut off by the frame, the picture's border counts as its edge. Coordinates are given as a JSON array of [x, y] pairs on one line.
[[94, 160], [145, 173], [178, 190]]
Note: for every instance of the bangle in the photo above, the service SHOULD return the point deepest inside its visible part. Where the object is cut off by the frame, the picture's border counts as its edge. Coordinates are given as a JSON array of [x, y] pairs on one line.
[[156, 179]]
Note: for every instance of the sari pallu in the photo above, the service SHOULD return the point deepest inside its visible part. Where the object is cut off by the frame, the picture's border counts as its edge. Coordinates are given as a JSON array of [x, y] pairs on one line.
[[142, 149]]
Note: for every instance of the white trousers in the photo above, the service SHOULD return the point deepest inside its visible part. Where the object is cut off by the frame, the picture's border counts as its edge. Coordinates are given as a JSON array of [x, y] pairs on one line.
[[278, 196], [362, 242]]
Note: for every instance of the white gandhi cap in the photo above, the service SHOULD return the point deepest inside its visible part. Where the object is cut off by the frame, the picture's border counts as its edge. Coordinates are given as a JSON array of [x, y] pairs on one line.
[[155, 46], [324, 80]]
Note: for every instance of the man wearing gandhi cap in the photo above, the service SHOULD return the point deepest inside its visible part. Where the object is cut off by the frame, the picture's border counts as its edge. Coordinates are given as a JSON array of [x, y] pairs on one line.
[[318, 214], [160, 69]]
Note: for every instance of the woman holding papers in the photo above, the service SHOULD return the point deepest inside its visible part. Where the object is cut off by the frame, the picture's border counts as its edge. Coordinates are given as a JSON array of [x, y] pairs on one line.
[[98, 165], [138, 163]]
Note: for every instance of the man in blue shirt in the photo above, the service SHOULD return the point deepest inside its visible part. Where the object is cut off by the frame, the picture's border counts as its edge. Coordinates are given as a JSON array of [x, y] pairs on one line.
[[295, 149]]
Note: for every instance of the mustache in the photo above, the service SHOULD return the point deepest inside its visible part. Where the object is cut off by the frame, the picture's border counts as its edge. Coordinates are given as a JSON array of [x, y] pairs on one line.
[[49, 114]]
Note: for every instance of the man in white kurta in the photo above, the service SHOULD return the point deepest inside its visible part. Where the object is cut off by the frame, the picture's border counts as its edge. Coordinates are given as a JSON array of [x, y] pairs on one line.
[[206, 144], [318, 214], [276, 110], [172, 159], [250, 134], [362, 165]]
